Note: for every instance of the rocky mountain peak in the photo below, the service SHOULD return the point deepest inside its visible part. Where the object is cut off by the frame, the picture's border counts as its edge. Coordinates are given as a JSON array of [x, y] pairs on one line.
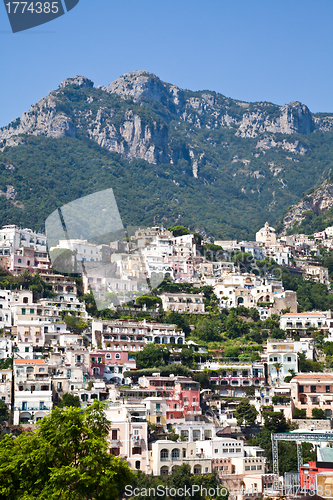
[[78, 81], [138, 84]]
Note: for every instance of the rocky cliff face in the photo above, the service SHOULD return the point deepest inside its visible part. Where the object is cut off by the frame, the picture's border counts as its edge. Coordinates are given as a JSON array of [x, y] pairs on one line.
[[320, 200], [140, 126]]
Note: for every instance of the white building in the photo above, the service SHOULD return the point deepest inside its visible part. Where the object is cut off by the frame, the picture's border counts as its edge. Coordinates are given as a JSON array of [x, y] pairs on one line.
[[6, 348], [195, 430], [266, 235], [220, 447], [303, 321], [166, 455], [285, 354], [84, 251], [133, 335], [183, 302], [32, 390], [12, 238]]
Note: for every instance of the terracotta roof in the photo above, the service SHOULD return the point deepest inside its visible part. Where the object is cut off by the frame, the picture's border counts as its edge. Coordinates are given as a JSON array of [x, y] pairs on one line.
[[31, 361], [314, 375], [304, 314]]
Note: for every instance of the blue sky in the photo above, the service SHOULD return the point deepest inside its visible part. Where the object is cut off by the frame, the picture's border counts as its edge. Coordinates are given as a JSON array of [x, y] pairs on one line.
[[273, 50]]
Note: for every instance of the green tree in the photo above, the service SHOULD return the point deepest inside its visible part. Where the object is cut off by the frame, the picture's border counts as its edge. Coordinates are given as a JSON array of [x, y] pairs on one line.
[[66, 458], [148, 300], [152, 355], [277, 367], [179, 230], [6, 363], [187, 357], [69, 400], [318, 413], [307, 365], [275, 421], [245, 413], [4, 413], [299, 413], [208, 330], [75, 324]]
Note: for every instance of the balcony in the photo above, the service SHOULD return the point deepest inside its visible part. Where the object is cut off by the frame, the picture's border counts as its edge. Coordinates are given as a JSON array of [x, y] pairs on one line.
[[33, 408]]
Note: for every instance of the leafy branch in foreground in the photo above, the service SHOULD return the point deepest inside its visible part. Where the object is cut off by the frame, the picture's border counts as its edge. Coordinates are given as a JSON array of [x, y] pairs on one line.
[[66, 458]]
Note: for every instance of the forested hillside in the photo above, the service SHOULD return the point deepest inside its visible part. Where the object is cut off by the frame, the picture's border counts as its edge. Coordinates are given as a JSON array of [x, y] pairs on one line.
[[216, 165]]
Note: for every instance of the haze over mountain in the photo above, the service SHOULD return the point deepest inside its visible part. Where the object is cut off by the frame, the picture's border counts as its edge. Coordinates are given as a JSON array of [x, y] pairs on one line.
[[218, 165]]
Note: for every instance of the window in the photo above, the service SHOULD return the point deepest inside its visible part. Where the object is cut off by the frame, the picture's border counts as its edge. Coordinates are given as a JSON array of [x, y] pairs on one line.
[[247, 467], [23, 311], [114, 433], [289, 359], [158, 407], [175, 454], [164, 455], [313, 388], [328, 388], [117, 356], [301, 388], [137, 464]]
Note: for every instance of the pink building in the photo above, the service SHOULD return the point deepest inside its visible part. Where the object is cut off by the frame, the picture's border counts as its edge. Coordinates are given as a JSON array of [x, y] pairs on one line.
[[27, 258], [128, 433], [182, 394], [111, 364], [183, 268]]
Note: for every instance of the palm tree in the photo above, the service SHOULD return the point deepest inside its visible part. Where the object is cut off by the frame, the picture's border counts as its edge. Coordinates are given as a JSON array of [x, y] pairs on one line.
[[277, 366]]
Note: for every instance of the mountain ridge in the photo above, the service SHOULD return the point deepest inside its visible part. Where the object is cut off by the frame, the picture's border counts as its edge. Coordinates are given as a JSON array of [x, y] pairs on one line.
[[221, 166]]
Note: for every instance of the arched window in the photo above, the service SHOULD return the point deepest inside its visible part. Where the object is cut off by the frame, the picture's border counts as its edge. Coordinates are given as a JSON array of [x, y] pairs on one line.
[[164, 455], [137, 464], [180, 341], [197, 469], [164, 471], [25, 300], [172, 340], [95, 370], [117, 355], [157, 340], [175, 454]]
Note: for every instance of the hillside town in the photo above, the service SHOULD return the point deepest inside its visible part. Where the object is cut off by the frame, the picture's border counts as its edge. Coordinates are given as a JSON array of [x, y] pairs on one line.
[[198, 370]]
